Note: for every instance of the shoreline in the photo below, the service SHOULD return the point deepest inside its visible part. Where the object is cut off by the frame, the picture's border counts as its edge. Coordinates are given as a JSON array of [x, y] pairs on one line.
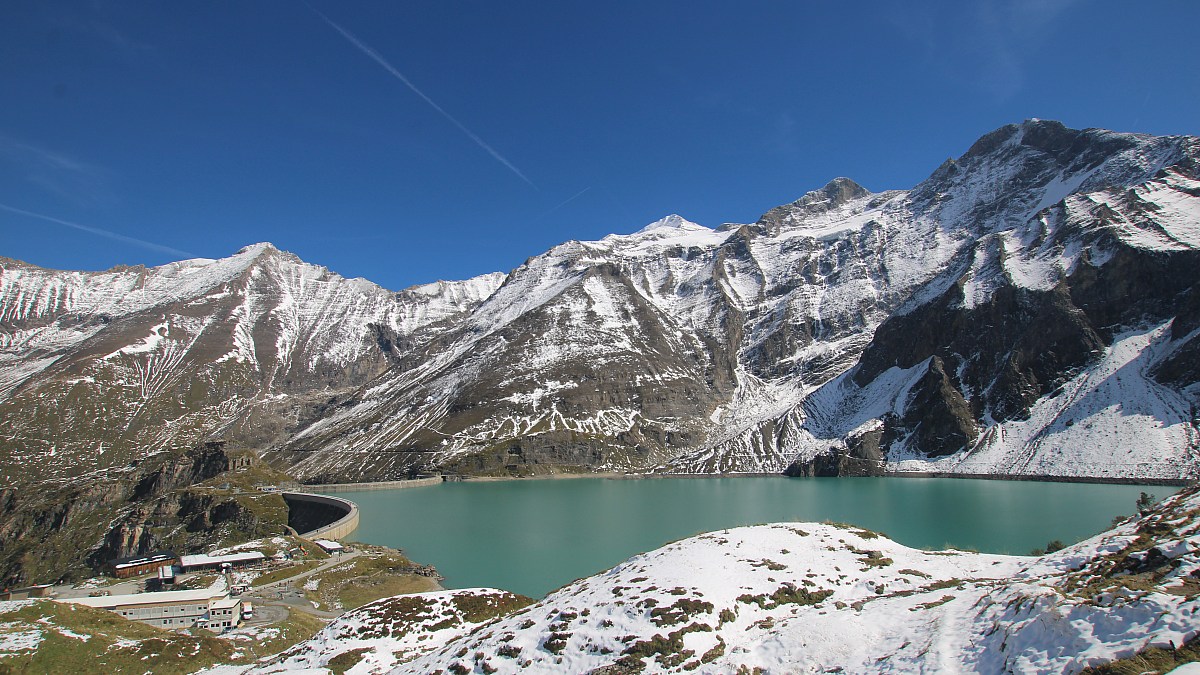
[[1042, 478], [612, 475]]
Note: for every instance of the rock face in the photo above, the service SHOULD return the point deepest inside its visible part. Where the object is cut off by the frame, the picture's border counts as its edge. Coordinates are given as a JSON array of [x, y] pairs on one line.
[[1052, 332], [75, 529], [1029, 308]]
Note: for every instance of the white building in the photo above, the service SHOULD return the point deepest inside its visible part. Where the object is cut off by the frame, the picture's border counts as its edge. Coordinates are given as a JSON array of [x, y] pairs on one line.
[[211, 609], [191, 563], [224, 614], [329, 546]]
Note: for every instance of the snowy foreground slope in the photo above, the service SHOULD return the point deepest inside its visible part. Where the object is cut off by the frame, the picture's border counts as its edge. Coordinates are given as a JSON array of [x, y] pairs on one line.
[[807, 597]]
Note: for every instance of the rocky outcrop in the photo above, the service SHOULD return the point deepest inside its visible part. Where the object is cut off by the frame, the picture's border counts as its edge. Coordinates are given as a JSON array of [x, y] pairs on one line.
[[45, 536], [992, 361], [864, 455]]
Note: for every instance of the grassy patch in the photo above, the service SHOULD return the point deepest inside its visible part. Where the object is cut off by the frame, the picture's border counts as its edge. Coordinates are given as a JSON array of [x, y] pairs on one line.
[[378, 573], [113, 644], [872, 558], [285, 573], [1152, 660], [787, 594], [682, 610], [346, 660], [934, 603], [667, 651], [481, 607], [362, 592], [944, 583], [715, 653], [855, 529]]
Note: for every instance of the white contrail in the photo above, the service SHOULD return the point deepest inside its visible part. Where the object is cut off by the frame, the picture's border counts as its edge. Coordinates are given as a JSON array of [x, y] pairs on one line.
[[563, 203], [375, 56], [101, 233], [568, 201]]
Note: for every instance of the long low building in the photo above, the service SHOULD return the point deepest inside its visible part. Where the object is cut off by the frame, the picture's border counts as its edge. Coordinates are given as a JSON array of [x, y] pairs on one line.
[[207, 608], [191, 563], [123, 568]]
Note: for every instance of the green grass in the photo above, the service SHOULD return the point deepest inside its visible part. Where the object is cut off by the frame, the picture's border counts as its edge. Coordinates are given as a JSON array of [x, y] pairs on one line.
[[480, 608], [339, 664], [360, 593], [378, 573], [117, 645], [285, 573], [298, 627], [1152, 660]]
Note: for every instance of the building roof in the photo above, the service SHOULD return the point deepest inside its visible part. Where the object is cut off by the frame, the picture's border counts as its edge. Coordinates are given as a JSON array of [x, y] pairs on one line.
[[201, 560], [329, 545], [160, 597], [158, 556], [224, 603]]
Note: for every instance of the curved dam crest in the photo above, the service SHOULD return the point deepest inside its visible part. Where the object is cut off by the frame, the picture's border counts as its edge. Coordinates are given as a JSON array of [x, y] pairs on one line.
[[313, 515]]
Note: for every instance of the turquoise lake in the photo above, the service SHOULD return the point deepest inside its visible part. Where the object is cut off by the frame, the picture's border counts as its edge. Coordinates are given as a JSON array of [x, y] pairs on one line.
[[533, 536]]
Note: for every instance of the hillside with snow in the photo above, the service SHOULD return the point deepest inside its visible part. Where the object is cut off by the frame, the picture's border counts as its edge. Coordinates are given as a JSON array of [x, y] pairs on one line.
[[933, 329], [806, 597], [1029, 309]]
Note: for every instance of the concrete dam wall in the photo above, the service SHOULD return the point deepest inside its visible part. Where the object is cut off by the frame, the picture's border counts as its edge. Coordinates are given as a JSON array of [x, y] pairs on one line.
[[321, 516]]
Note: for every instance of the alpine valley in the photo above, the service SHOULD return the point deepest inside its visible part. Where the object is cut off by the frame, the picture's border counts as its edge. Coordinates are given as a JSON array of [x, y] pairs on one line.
[[1032, 308]]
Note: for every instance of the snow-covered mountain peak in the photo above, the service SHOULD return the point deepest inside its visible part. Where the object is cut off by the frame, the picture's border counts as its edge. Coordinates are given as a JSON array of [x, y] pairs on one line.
[[821, 212], [671, 222], [835, 193], [255, 249], [666, 233]]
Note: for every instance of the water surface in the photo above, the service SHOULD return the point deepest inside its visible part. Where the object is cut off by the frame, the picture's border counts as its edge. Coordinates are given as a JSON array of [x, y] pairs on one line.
[[533, 536]]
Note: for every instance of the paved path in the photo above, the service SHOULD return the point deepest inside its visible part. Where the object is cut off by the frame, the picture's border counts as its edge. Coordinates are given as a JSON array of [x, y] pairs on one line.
[[277, 597], [333, 561]]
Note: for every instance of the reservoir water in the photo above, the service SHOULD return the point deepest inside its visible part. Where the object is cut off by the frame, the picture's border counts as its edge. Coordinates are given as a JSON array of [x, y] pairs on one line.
[[533, 536]]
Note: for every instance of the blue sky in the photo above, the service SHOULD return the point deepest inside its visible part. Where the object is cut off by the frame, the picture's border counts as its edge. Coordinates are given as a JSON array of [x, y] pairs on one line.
[[407, 142]]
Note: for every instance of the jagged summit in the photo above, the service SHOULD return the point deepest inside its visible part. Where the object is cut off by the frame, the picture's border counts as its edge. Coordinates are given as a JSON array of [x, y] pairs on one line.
[[671, 222], [260, 247], [663, 234], [811, 210], [835, 193]]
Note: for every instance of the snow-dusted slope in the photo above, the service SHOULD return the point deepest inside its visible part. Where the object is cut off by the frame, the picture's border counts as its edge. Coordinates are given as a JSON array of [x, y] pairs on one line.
[[97, 369], [393, 630], [699, 347], [807, 597], [987, 320], [1028, 260]]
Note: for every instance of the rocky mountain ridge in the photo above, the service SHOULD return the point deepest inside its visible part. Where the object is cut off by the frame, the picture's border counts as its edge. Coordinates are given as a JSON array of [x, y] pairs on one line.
[[1030, 308], [731, 350]]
